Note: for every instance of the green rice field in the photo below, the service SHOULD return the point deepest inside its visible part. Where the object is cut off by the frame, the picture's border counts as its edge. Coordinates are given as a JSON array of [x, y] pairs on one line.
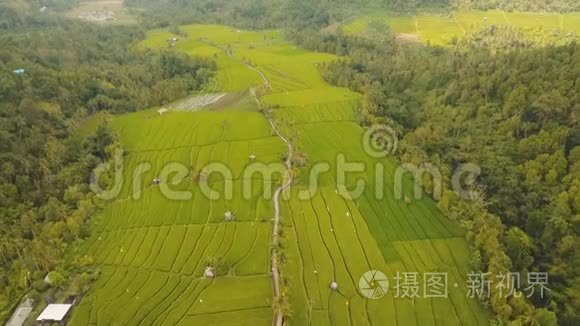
[[153, 250], [442, 28]]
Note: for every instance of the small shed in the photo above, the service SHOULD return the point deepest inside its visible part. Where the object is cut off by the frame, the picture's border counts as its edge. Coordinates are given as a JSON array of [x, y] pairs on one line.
[[156, 181], [252, 157], [334, 286], [54, 313], [228, 216], [209, 272], [162, 111], [172, 41], [19, 71]]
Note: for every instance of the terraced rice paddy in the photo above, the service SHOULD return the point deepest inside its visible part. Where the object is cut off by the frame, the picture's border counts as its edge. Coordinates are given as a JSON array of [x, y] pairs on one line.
[[442, 28], [153, 250], [196, 103]]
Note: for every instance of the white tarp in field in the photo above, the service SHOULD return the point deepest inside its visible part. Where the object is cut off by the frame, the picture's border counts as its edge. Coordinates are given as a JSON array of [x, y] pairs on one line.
[[196, 103], [54, 312]]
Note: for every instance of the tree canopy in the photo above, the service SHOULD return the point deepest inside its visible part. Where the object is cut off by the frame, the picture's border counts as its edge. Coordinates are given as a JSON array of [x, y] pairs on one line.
[[510, 107]]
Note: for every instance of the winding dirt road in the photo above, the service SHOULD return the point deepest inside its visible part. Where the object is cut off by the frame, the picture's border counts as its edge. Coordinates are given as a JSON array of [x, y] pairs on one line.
[[287, 181]]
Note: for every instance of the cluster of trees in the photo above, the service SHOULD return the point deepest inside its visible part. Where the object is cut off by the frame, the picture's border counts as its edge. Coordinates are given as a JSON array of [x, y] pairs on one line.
[[53, 75], [26, 13], [76, 65], [243, 13], [519, 5], [265, 13], [511, 108]]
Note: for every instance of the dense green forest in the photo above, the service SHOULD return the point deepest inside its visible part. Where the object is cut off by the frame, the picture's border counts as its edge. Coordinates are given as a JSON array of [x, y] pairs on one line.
[[265, 13], [308, 13], [506, 106], [70, 70]]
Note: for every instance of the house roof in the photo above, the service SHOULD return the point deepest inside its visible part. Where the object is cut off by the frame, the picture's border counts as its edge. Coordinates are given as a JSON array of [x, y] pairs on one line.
[[54, 312], [21, 313]]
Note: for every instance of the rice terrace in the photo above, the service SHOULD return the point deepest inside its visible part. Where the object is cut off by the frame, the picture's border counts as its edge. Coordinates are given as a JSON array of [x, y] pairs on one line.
[[154, 250], [289, 162], [442, 28]]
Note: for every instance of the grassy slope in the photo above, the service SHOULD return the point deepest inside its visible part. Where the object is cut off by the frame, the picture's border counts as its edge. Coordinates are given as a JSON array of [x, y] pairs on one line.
[[153, 250]]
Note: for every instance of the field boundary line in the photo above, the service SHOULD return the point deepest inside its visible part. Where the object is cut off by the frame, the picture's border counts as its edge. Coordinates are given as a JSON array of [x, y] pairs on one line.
[[301, 264], [505, 17], [458, 24], [185, 294], [227, 311], [250, 250], [164, 300]]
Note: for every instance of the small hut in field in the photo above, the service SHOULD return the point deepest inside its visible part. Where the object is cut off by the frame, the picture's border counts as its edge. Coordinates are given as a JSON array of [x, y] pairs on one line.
[[209, 272], [229, 216], [162, 111], [334, 286]]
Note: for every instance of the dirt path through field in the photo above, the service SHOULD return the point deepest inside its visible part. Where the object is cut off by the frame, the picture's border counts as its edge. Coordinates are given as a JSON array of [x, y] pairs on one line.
[[288, 179], [278, 319]]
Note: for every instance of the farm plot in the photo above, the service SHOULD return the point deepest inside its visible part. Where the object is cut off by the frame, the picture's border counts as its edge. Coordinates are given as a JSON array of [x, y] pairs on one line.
[[475, 20], [440, 29], [398, 23], [329, 240], [571, 22], [153, 250], [333, 239], [346, 110], [196, 103]]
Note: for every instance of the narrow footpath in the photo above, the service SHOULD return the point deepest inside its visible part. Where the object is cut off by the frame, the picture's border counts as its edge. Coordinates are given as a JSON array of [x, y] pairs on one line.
[[287, 181]]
